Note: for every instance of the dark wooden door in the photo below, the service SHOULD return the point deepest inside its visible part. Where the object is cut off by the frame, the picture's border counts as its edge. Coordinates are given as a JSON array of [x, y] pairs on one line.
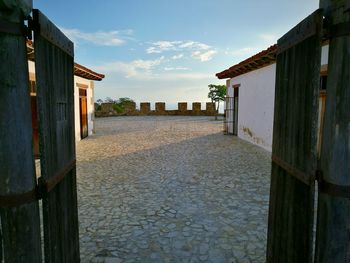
[[235, 121], [333, 222], [35, 127], [54, 64], [294, 150], [19, 208], [83, 115]]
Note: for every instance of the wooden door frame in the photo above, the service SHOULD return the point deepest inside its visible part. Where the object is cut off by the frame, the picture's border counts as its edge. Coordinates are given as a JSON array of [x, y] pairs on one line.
[[236, 105], [83, 95]]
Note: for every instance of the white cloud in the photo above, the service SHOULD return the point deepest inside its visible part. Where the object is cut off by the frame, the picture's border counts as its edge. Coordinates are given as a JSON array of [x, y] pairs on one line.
[[175, 57], [175, 68], [131, 69], [147, 70], [242, 51], [194, 45], [264, 42], [100, 38], [204, 56], [269, 38], [163, 46]]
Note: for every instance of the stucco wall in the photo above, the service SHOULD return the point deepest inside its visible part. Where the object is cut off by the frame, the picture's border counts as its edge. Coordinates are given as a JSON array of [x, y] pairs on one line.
[[256, 105], [90, 105], [324, 55]]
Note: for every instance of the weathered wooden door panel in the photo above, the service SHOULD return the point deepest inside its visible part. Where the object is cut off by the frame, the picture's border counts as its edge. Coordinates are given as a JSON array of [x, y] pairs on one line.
[[35, 127], [19, 210], [235, 111], [55, 92], [294, 151], [333, 230], [83, 114]]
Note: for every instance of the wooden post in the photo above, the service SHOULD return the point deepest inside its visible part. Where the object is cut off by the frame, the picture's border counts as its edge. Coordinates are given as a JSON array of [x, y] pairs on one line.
[[20, 222], [333, 227]]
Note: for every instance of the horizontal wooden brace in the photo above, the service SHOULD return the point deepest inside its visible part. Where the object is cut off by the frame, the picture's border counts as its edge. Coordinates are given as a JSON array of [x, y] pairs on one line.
[[12, 28], [48, 185], [340, 30], [40, 190], [46, 29], [304, 30], [332, 189], [295, 172], [13, 200]]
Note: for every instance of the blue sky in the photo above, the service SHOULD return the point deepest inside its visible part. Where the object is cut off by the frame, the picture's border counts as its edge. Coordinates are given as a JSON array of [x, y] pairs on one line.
[[161, 50]]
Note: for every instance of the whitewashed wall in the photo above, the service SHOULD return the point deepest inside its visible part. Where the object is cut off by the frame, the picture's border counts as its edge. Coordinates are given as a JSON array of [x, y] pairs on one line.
[[256, 105], [90, 105], [324, 55]]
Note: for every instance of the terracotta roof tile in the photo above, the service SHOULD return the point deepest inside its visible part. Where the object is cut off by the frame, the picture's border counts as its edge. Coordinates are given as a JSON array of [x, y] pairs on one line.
[[262, 59]]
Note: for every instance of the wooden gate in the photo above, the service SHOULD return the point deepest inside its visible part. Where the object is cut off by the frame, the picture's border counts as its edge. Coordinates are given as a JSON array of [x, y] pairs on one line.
[[333, 226], [19, 189], [55, 92], [19, 209], [291, 222], [294, 150]]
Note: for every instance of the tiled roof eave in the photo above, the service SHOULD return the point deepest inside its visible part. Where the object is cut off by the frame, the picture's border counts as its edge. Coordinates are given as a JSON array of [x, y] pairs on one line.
[[260, 60]]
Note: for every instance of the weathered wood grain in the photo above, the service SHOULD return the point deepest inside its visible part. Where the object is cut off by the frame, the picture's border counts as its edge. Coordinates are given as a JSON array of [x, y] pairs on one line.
[[20, 225], [55, 91], [333, 226], [1, 256], [295, 142]]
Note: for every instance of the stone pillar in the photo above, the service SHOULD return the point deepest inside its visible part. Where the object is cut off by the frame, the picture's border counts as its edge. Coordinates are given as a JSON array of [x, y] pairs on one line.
[[107, 108], [210, 108], [145, 108], [130, 108], [196, 108], [182, 107], [160, 108]]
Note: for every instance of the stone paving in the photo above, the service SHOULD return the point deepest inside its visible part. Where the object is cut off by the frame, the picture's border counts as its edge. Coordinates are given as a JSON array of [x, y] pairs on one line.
[[171, 189]]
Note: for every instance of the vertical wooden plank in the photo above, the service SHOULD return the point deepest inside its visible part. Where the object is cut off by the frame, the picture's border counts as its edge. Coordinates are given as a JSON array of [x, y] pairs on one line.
[[333, 226], [55, 89], [294, 143], [20, 225], [1, 257]]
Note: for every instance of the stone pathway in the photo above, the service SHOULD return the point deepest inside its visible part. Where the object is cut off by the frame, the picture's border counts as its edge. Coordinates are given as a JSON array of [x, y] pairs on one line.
[[171, 189]]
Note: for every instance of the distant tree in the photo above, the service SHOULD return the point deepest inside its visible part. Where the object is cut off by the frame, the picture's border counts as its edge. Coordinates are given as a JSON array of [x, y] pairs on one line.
[[119, 105], [98, 105], [125, 100], [217, 93]]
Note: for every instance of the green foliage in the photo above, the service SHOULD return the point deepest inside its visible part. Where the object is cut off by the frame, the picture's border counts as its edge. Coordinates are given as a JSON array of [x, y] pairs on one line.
[[124, 101], [98, 105], [118, 105], [118, 108], [217, 93]]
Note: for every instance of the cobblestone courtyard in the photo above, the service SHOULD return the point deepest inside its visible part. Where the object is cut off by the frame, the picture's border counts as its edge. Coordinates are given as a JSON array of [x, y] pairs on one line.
[[171, 189]]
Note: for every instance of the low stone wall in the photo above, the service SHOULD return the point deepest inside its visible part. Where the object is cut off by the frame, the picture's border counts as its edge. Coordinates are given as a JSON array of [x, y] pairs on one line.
[[160, 110]]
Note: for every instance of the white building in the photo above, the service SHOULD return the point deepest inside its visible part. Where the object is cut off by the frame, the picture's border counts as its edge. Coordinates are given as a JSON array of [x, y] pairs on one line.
[[250, 98]]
